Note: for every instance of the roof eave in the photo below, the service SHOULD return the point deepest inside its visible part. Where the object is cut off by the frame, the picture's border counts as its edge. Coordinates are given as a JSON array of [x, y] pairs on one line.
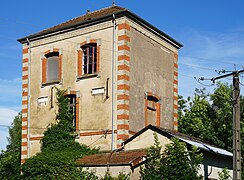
[[81, 24], [100, 19]]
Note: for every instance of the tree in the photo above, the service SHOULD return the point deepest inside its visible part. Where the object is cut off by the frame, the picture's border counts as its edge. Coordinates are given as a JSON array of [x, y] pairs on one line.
[[176, 162], [10, 159], [210, 117], [224, 175], [59, 150]]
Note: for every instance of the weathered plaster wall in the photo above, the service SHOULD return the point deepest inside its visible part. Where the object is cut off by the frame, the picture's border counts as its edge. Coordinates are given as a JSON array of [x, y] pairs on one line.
[[151, 71], [94, 110]]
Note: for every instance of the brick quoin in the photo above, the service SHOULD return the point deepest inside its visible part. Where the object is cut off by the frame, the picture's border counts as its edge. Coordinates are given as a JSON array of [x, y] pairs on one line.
[[24, 152], [123, 126], [25, 60], [124, 77], [175, 123], [176, 65], [176, 90], [123, 57], [175, 55], [25, 93], [123, 106], [175, 98], [176, 74], [24, 128], [24, 119], [124, 26], [24, 111], [122, 136], [123, 67], [23, 136], [175, 115], [124, 38], [123, 116], [123, 97], [24, 85], [25, 51], [124, 47], [25, 77], [24, 144], [123, 87]]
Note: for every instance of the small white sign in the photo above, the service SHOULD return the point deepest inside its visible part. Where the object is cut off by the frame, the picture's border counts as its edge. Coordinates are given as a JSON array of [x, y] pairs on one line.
[[98, 91], [42, 100]]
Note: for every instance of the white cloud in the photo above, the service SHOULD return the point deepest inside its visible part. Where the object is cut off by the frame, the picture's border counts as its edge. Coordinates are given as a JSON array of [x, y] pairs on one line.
[[10, 92], [205, 52], [7, 115], [3, 139]]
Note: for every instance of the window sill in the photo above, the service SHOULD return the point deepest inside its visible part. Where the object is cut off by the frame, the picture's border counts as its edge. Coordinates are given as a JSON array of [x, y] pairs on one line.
[[51, 83], [88, 76]]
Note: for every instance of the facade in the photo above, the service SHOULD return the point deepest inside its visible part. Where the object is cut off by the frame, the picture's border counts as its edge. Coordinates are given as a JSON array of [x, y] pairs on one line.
[[120, 73], [133, 154]]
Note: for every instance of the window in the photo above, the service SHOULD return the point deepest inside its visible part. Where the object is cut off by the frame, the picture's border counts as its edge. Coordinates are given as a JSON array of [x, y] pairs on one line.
[[88, 59], [152, 110], [72, 104], [74, 97], [51, 67]]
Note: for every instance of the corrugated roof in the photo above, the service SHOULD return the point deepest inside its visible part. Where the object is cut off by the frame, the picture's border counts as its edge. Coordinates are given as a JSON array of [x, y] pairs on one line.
[[203, 145], [207, 147]]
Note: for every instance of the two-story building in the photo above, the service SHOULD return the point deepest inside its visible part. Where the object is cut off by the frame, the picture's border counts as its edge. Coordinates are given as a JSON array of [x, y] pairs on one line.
[[120, 73]]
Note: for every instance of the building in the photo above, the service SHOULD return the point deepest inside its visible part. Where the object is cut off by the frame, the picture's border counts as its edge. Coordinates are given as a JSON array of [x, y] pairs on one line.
[[133, 154], [120, 72]]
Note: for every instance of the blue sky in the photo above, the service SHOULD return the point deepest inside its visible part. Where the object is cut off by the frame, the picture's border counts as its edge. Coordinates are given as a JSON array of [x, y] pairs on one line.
[[212, 32]]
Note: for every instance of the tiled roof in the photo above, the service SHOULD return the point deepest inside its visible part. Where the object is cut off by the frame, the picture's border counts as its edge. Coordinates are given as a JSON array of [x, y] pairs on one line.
[[87, 17], [131, 157], [79, 20], [100, 16]]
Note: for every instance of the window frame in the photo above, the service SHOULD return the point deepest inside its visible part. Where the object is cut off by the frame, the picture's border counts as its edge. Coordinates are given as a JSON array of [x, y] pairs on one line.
[[45, 69], [80, 64], [152, 99], [76, 120]]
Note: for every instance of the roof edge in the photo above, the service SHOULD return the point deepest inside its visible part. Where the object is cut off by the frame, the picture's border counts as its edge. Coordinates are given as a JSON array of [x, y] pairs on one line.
[[101, 19]]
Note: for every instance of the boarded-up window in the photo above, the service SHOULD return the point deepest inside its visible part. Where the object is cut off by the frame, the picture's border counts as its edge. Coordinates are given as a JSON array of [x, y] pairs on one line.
[[52, 73], [152, 110]]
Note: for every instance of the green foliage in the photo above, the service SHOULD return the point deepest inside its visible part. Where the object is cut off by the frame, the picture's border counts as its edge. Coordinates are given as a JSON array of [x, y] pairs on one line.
[[10, 159], [14, 139], [121, 176], [59, 150], [210, 116], [224, 175], [175, 162]]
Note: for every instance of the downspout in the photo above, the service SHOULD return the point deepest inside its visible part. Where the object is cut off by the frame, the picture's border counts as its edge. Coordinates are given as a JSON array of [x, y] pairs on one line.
[[113, 81], [28, 99]]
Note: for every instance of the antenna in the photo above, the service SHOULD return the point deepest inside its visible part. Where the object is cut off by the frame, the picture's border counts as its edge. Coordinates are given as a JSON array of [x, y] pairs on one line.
[[113, 3]]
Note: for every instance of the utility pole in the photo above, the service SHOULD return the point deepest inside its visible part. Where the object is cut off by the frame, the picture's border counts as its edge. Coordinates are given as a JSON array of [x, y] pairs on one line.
[[236, 123]]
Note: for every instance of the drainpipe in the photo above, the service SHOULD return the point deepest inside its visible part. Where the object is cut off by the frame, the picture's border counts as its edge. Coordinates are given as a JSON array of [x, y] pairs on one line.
[[28, 99], [113, 81]]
